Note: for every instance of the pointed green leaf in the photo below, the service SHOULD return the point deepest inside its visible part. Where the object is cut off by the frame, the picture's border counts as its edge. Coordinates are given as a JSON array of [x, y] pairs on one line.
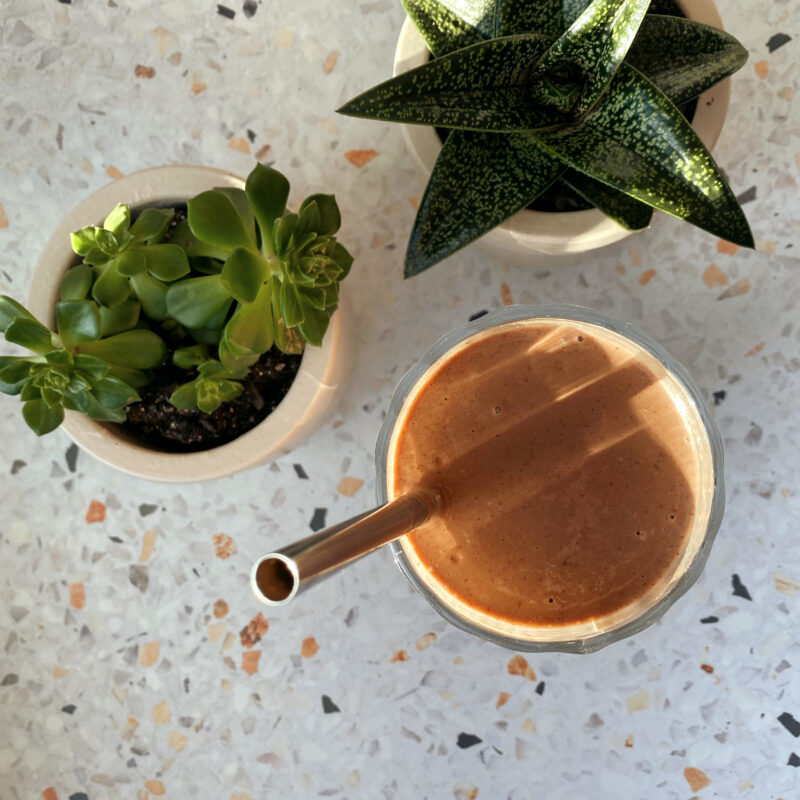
[[151, 225], [111, 288], [244, 274], [152, 294], [342, 258], [130, 262], [96, 410], [94, 367], [308, 220], [267, 190], [133, 377], [31, 334], [167, 262], [480, 179], [210, 332], [291, 307], [314, 325], [40, 418], [29, 391], [184, 397], [233, 359], [119, 220], [137, 349], [77, 321], [242, 205], [330, 218], [114, 393], [684, 58], [286, 339], [482, 87], [10, 310], [638, 142], [546, 17], [442, 27], [589, 53], [14, 371], [77, 282], [83, 241], [282, 233], [184, 238], [188, 357], [623, 209], [208, 396], [250, 329], [214, 219], [120, 318], [194, 301]]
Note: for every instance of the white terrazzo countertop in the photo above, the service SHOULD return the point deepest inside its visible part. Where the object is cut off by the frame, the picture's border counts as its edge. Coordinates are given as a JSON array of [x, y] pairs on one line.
[[125, 667]]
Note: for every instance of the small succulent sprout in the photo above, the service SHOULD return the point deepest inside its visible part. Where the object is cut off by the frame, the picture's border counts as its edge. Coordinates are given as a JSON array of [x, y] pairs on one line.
[[126, 260], [74, 369], [214, 385], [278, 280]]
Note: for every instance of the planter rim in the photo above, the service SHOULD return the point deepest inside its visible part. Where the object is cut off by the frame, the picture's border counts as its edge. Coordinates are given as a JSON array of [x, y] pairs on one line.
[[564, 232], [322, 369]]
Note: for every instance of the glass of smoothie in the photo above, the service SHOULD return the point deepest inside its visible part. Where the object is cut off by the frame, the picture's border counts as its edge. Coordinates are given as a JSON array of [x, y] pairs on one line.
[[580, 475]]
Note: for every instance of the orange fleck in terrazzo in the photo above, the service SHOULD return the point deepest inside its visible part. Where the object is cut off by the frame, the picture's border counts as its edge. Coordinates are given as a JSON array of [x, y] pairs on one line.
[[425, 641], [638, 701], [3, 217], [263, 151], [505, 295], [739, 288], [96, 512], [502, 699], [696, 778], [240, 144], [224, 546], [252, 632], [753, 350], [250, 661], [199, 86], [148, 654], [114, 173], [309, 648], [141, 71], [360, 158], [519, 666], [59, 672], [215, 632], [727, 248], [636, 256], [714, 276], [761, 68], [629, 740], [155, 787], [177, 741], [77, 595], [400, 655], [647, 276], [707, 668], [330, 62], [220, 608], [349, 486], [161, 713], [49, 794], [148, 542]]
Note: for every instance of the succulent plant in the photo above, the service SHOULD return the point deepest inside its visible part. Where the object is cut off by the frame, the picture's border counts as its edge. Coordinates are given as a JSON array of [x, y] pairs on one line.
[[240, 274], [582, 92], [273, 275], [75, 368]]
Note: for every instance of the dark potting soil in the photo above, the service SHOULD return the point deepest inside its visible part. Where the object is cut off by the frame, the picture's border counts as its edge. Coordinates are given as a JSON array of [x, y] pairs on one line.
[[157, 423], [560, 196]]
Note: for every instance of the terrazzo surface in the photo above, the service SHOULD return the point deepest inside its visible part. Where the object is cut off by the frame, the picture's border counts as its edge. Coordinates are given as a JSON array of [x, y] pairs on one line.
[[134, 662]]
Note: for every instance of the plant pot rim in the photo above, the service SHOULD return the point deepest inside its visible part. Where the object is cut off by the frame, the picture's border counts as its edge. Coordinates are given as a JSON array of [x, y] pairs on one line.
[[562, 232], [322, 369]]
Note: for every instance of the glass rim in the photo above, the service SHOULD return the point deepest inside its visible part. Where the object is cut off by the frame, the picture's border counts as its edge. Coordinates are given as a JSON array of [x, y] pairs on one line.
[[517, 313]]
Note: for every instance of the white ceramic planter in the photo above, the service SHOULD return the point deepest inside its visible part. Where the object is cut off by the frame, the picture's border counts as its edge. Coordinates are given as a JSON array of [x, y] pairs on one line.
[[529, 232], [309, 400]]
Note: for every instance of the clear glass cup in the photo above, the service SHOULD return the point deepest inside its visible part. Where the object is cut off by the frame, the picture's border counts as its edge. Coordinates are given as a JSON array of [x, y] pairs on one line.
[[591, 635]]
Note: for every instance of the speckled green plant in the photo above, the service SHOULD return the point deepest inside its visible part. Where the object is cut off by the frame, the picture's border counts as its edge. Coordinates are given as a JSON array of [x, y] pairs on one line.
[[576, 92], [212, 293]]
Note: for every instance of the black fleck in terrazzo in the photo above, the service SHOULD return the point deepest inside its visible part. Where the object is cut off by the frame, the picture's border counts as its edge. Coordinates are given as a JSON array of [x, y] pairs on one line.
[[790, 723], [739, 589], [318, 519], [466, 740], [328, 706]]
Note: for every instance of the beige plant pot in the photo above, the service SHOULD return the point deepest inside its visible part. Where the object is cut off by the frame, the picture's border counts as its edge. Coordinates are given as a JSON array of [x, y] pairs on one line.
[[309, 400], [529, 232]]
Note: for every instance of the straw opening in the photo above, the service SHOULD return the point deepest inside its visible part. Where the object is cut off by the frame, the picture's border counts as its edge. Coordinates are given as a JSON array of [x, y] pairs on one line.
[[275, 579]]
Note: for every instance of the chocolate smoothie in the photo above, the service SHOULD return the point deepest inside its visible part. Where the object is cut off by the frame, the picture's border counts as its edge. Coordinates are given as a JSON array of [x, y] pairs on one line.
[[569, 461]]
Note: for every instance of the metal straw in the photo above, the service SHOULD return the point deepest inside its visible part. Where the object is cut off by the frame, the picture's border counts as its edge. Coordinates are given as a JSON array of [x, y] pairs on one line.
[[277, 577]]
